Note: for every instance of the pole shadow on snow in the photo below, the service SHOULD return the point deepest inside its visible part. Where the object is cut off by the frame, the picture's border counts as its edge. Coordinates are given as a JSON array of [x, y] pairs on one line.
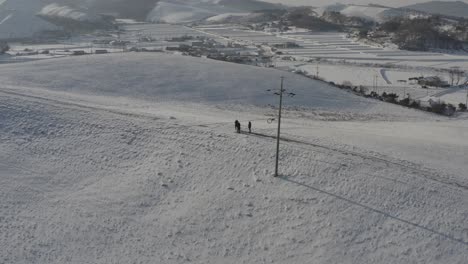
[[265, 136], [424, 174], [366, 207], [374, 210]]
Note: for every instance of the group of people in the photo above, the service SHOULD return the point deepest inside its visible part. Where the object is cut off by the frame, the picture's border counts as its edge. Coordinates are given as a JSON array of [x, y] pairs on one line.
[[237, 126]]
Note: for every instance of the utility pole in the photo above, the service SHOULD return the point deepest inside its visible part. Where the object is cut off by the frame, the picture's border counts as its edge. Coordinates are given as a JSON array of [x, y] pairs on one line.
[[280, 93], [317, 71], [374, 83], [279, 125], [466, 88]]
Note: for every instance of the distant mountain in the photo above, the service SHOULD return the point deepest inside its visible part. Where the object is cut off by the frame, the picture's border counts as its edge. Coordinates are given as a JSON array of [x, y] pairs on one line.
[[183, 11], [456, 8], [18, 19], [139, 9], [368, 12], [21, 19], [74, 19], [135, 9], [378, 13], [248, 5]]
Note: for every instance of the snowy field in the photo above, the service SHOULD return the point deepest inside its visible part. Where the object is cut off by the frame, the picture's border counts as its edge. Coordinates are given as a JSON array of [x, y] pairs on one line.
[[132, 158], [139, 75], [336, 46], [133, 35], [355, 62], [342, 59], [391, 80]]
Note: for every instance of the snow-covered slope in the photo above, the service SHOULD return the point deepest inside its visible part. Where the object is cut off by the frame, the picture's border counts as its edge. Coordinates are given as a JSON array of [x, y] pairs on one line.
[[393, 3], [73, 18], [167, 77], [367, 12], [18, 19], [227, 17], [338, 7], [90, 174], [371, 13], [448, 8], [132, 9], [63, 11], [179, 11]]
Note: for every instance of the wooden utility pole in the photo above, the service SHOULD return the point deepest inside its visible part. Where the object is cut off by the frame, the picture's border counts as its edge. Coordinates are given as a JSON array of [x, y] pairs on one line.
[[317, 71], [279, 125], [466, 88], [280, 93]]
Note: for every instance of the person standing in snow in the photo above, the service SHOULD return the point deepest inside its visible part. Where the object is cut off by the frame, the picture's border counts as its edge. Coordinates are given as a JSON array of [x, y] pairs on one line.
[[250, 127], [237, 126]]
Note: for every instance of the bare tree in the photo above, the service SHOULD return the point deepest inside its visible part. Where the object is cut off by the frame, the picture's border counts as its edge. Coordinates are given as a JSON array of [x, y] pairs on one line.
[[4, 47], [460, 74], [456, 75], [452, 76]]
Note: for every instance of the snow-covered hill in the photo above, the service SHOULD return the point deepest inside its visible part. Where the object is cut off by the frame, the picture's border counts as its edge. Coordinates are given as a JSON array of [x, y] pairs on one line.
[[197, 80], [18, 19], [393, 3], [372, 13], [178, 11], [108, 159], [74, 18], [367, 12], [447, 8], [227, 17], [134, 9], [63, 11]]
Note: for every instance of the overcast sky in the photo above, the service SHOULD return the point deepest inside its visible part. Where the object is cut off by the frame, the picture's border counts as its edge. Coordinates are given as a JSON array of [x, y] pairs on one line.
[[392, 3]]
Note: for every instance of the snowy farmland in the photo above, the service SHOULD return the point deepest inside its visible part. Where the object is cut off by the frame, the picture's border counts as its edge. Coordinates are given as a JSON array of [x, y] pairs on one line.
[[132, 36], [337, 46], [131, 158], [391, 80], [340, 59]]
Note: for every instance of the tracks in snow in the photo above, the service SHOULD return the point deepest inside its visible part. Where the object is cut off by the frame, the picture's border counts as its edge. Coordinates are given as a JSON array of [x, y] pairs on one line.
[[421, 173], [383, 72]]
